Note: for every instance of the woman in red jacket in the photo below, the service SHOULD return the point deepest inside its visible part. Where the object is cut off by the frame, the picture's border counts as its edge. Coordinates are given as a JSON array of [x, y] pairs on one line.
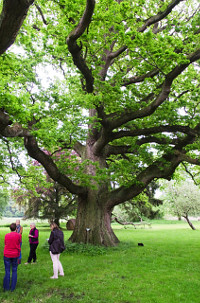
[[12, 250]]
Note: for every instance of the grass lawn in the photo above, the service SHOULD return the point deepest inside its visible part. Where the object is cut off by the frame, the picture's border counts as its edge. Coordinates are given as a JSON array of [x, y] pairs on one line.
[[165, 270]]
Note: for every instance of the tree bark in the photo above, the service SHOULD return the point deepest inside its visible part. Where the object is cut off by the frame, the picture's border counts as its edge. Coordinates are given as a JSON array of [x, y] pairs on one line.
[[11, 19], [93, 222]]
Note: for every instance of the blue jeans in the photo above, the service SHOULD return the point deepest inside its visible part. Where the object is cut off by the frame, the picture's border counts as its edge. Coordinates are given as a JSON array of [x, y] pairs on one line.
[[8, 262]]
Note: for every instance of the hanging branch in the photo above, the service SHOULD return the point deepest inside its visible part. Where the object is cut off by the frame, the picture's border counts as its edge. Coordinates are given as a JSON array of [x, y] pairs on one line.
[[3, 180], [41, 13], [189, 173]]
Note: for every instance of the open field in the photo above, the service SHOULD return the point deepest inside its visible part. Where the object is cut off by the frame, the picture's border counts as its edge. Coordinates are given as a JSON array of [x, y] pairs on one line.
[[165, 270]]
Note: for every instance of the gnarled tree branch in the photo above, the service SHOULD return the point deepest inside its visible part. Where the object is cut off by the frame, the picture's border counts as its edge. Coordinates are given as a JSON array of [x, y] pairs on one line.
[[11, 19], [160, 15], [162, 96], [36, 153], [152, 20], [154, 130], [162, 168], [75, 50], [4, 120]]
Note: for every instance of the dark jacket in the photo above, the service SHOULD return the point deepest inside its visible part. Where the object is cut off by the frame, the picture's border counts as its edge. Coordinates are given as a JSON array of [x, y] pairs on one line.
[[56, 241]]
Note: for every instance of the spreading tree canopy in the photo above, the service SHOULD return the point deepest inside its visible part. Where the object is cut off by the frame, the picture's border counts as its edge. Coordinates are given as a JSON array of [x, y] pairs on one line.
[[116, 81]]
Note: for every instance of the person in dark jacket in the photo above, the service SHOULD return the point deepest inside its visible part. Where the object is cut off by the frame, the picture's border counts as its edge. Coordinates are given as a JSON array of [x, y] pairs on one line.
[[56, 247], [33, 241]]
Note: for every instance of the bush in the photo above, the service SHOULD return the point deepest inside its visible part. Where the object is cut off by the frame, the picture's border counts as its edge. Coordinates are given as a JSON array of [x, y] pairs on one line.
[[85, 249]]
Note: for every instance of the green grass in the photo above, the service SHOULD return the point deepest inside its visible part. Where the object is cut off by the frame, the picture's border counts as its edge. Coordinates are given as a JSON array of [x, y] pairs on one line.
[[165, 270]]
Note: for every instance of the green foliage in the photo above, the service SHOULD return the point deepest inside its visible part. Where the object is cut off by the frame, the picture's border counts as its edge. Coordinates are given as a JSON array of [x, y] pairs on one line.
[[41, 197], [182, 199], [39, 81], [143, 207], [119, 87], [3, 201], [83, 249]]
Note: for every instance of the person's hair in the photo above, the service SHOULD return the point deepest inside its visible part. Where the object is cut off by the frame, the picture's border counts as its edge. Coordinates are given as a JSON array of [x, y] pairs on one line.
[[33, 223], [13, 226], [54, 225]]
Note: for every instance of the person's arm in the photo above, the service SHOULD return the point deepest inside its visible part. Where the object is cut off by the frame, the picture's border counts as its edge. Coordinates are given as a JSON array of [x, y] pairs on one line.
[[35, 234], [20, 241], [51, 238]]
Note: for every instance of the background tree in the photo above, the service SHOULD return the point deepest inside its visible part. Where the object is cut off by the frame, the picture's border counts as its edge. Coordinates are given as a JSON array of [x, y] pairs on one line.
[[12, 210], [3, 201], [144, 206], [127, 102], [183, 200], [52, 202], [41, 197]]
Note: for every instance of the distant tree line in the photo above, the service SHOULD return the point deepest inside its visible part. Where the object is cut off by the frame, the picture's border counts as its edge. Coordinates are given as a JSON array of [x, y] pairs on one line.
[[13, 210]]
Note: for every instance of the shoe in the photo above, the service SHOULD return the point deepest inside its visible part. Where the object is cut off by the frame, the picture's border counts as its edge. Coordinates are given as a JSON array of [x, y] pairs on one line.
[[61, 275], [26, 263], [53, 277]]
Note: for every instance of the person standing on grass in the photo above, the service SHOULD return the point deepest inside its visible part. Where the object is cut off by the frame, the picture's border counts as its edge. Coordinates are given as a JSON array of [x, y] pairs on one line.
[[33, 241], [56, 242], [19, 230], [12, 250]]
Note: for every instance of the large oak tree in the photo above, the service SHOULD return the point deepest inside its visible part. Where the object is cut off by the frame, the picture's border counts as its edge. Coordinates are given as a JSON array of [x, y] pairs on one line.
[[127, 102]]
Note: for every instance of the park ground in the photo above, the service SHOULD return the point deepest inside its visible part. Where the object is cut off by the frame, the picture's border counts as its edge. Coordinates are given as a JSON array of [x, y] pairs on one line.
[[165, 270]]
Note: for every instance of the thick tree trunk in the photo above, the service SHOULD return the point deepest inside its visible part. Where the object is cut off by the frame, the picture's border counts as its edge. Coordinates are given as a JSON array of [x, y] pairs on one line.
[[93, 222]]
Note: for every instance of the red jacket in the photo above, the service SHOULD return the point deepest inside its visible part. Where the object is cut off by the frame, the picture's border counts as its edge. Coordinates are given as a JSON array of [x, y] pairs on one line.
[[12, 246]]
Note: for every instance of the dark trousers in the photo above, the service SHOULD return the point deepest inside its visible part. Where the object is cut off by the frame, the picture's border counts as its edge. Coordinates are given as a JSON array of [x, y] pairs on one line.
[[10, 262], [32, 254]]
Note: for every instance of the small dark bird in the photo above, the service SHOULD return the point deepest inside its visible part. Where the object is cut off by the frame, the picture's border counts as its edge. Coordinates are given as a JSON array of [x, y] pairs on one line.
[[140, 244]]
